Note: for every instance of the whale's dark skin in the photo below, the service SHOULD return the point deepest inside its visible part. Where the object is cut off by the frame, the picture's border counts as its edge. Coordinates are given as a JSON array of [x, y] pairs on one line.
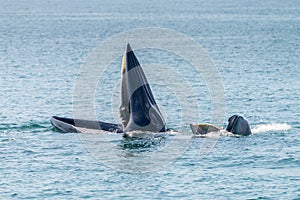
[[238, 125], [138, 110]]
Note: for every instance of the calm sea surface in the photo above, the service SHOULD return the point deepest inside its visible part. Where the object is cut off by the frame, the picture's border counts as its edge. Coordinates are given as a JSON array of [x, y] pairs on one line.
[[255, 46]]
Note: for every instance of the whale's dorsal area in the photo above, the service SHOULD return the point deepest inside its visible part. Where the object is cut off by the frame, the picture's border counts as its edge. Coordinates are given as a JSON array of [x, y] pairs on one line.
[[138, 110]]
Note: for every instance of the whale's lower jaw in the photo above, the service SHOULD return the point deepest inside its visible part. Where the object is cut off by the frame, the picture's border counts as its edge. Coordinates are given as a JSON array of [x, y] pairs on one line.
[[90, 126], [77, 125]]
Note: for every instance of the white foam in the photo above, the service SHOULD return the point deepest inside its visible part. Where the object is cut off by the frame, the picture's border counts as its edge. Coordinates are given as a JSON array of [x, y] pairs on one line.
[[270, 127]]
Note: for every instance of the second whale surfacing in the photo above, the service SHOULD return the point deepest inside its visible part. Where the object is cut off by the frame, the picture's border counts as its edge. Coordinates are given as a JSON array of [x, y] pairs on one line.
[[237, 125], [138, 110]]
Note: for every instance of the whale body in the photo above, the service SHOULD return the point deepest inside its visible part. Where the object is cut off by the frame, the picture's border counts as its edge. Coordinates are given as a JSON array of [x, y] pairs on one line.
[[138, 110]]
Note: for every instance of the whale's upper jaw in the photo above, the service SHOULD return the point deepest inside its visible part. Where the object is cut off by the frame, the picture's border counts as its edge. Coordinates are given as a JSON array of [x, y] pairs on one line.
[[231, 122], [138, 110], [238, 125]]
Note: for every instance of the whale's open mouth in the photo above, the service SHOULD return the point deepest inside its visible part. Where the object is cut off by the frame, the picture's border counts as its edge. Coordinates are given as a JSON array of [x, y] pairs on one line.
[[138, 110]]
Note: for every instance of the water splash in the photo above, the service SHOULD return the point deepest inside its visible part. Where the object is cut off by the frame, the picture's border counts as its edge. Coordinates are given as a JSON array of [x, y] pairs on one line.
[[271, 127]]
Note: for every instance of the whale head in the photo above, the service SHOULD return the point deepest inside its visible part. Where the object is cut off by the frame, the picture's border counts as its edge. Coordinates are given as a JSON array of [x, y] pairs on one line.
[[138, 110], [238, 125]]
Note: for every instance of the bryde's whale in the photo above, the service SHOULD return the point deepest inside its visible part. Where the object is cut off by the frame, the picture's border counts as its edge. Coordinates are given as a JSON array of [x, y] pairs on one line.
[[138, 110], [237, 125]]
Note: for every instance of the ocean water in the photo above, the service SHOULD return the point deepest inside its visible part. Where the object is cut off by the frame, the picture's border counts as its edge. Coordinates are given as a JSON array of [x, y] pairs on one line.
[[255, 46]]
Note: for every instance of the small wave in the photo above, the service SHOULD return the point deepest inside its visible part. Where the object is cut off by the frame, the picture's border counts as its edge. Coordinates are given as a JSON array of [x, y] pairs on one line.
[[7, 140], [271, 127], [28, 126]]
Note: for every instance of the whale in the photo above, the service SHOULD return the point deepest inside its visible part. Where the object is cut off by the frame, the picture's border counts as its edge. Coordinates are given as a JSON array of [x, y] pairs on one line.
[[237, 125], [138, 109]]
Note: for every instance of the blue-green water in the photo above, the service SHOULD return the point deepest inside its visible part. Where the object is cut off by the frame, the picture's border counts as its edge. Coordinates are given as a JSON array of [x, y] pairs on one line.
[[256, 48]]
